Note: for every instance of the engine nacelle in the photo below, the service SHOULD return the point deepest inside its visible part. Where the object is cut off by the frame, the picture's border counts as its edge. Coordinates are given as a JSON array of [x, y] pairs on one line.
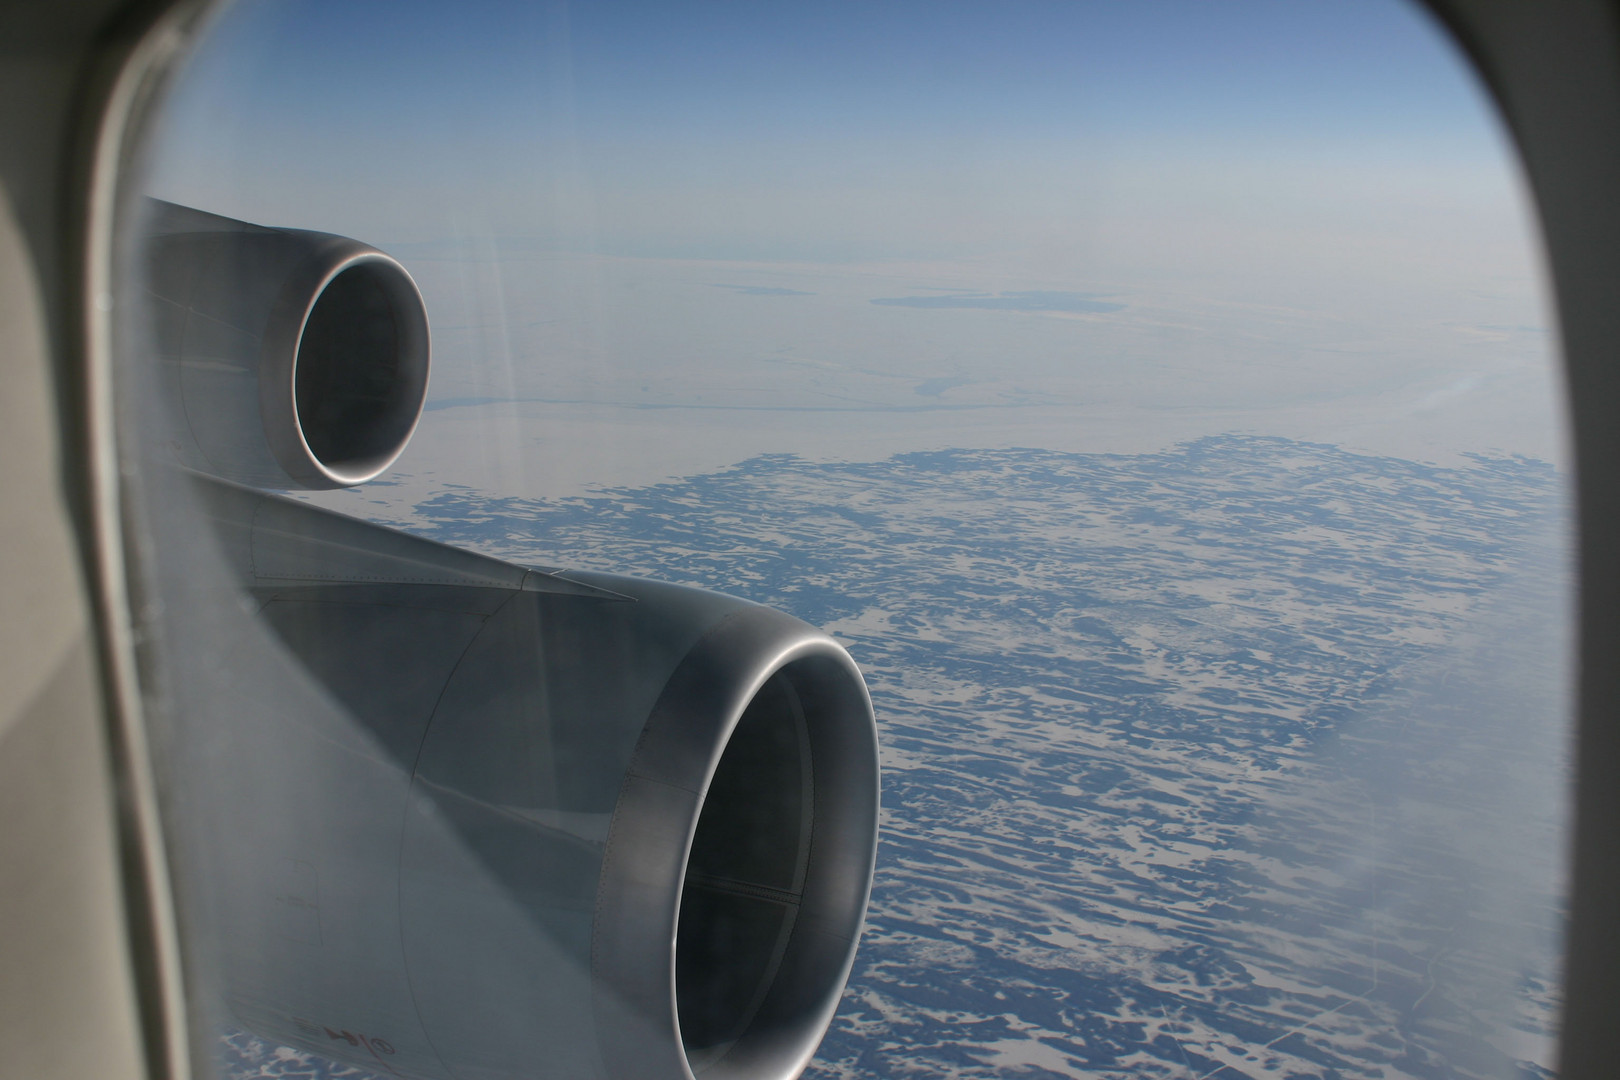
[[453, 818], [497, 822], [293, 358]]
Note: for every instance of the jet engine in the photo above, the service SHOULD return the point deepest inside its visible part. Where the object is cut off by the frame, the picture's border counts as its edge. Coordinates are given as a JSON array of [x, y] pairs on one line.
[[483, 820], [294, 358]]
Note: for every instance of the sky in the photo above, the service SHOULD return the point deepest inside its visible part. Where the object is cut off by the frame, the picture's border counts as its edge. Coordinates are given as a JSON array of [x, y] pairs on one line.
[[659, 238]]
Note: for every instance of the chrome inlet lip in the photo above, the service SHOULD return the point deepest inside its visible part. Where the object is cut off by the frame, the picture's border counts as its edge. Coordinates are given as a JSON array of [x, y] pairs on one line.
[[633, 955], [284, 424]]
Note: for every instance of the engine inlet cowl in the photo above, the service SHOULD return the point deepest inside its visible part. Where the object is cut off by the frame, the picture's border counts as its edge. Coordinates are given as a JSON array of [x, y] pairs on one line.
[[761, 747], [679, 793], [524, 824], [294, 358]]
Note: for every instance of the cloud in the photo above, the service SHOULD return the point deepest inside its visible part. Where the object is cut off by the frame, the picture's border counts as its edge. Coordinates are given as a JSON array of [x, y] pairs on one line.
[[764, 290], [1008, 301]]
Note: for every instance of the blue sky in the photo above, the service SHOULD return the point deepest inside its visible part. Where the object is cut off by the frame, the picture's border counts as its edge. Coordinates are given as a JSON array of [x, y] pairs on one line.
[[516, 108]]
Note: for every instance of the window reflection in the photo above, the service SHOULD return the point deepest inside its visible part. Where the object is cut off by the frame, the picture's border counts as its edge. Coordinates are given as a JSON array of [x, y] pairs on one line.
[[1158, 402]]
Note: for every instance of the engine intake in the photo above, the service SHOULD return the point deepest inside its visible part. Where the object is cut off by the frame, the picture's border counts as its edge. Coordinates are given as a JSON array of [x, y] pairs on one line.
[[762, 745], [518, 823], [297, 359]]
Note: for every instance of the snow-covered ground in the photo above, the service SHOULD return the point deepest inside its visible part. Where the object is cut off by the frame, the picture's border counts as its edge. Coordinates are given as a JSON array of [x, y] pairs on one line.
[[1243, 759]]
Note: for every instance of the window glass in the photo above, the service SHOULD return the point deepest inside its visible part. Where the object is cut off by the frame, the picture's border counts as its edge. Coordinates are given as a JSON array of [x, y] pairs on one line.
[[1158, 400]]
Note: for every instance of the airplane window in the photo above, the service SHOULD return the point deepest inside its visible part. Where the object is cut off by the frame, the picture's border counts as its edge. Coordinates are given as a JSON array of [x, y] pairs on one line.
[[581, 456]]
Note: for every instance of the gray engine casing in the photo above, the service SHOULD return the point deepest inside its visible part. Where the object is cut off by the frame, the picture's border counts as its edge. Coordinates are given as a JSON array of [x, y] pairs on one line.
[[496, 822], [290, 358], [444, 816]]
